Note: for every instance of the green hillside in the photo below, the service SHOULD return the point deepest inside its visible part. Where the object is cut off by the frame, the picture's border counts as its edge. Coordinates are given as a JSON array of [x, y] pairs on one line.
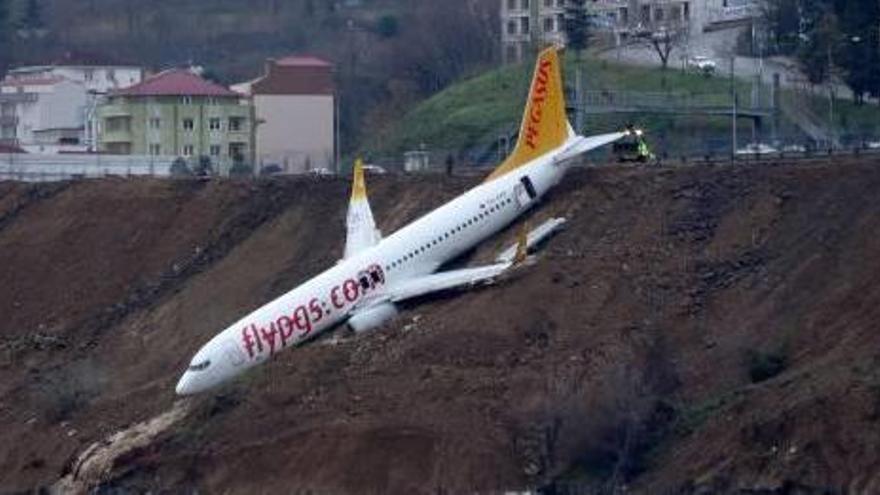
[[474, 113]]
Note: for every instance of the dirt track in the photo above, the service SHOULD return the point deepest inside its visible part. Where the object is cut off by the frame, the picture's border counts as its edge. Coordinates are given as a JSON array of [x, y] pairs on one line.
[[693, 329]]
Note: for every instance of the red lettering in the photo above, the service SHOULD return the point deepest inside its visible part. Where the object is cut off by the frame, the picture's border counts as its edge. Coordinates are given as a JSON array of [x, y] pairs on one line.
[[301, 320], [335, 298], [350, 289], [285, 329], [248, 342], [315, 309], [531, 137], [269, 336], [257, 337]]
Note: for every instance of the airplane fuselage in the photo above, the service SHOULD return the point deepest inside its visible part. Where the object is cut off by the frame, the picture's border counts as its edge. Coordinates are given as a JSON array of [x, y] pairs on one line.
[[331, 297]]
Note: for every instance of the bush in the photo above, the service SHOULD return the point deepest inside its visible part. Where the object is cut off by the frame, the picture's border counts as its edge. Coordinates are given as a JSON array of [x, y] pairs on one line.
[[241, 169], [387, 27], [179, 168], [765, 365]]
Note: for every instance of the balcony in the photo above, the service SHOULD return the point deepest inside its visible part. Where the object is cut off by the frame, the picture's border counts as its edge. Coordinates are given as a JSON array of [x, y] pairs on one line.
[[108, 111]]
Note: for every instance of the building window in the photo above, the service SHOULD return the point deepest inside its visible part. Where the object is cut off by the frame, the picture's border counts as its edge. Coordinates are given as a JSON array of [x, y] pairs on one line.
[[511, 4], [511, 27], [155, 123], [89, 74], [560, 3], [236, 123], [524, 25], [188, 124], [548, 3], [236, 151], [658, 14], [211, 101], [188, 150], [214, 124], [186, 100], [525, 4], [548, 25], [215, 150], [155, 149]]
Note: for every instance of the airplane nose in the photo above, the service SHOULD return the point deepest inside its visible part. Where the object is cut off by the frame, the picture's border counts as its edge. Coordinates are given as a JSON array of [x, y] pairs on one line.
[[184, 386]]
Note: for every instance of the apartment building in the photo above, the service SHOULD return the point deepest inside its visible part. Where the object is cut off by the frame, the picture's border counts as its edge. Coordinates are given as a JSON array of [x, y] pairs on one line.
[[295, 102], [177, 113]]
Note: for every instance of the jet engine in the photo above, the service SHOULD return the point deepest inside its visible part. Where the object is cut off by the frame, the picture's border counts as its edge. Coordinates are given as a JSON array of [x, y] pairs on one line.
[[372, 317]]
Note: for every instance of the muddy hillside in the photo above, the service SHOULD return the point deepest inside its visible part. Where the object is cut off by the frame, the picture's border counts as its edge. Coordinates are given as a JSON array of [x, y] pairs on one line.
[[693, 330]]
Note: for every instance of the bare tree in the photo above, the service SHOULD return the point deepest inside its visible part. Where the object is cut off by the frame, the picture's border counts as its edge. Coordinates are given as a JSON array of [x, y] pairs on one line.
[[666, 38]]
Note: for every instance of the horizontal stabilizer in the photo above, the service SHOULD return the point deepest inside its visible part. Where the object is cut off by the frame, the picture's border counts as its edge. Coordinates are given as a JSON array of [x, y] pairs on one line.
[[536, 236], [582, 145]]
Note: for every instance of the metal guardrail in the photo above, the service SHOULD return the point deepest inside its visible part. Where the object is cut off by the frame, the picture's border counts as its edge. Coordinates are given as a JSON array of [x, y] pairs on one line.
[[42, 168]]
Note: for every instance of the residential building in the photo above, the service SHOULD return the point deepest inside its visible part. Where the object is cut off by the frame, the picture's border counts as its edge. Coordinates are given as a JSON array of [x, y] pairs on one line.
[[97, 75], [42, 113], [178, 113], [294, 101]]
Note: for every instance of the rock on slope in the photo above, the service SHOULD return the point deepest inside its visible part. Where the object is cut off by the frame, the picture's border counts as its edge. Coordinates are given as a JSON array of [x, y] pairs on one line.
[[693, 330]]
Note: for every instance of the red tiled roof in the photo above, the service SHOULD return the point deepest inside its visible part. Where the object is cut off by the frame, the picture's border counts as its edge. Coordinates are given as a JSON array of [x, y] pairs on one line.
[[302, 61], [303, 75], [175, 82]]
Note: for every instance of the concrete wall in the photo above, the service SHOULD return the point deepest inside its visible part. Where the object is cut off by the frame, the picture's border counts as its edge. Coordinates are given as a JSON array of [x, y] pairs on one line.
[[295, 132]]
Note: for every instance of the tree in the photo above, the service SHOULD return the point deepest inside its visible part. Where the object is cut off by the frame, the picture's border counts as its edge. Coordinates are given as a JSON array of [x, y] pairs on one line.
[[577, 26], [32, 17], [577, 35], [5, 38], [665, 40]]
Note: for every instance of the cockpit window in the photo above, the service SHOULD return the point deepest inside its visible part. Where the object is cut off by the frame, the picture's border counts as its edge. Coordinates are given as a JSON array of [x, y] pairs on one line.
[[200, 366]]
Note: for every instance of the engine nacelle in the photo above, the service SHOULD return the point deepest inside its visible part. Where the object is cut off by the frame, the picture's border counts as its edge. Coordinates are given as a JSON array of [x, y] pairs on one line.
[[372, 317]]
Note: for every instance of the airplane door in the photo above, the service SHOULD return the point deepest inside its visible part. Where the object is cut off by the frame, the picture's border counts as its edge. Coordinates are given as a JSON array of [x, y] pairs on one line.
[[524, 192]]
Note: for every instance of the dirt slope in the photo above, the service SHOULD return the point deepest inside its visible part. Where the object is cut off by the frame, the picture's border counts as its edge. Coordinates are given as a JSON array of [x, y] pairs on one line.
[[694, 330]]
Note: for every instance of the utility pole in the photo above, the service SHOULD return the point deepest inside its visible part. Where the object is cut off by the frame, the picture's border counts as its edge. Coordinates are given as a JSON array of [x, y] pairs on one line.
[[830, 101], [733, 96]]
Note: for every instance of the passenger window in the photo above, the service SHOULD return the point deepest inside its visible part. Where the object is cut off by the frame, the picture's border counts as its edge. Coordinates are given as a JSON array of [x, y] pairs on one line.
[[365, 283]]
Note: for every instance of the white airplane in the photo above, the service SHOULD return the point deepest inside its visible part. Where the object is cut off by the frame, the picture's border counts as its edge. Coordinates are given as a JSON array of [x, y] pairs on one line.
[[376, 273]]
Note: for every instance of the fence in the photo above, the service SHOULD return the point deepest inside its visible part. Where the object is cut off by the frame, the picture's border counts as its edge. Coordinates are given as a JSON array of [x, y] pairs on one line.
[[46, 168]]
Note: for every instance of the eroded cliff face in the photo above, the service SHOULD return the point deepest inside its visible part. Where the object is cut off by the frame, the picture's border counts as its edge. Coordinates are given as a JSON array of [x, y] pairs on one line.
[[692, 329]]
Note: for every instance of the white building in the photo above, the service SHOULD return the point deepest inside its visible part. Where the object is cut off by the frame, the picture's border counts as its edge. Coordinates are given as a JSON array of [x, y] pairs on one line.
[[98, 79], [43, 114], [294, 102]]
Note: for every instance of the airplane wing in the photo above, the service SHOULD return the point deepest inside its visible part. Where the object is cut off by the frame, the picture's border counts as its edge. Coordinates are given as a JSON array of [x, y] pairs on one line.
[[361, 231], [465, 277]]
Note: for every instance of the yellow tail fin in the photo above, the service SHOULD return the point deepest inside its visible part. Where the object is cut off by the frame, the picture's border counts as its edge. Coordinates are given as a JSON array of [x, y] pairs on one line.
[[544, 124]]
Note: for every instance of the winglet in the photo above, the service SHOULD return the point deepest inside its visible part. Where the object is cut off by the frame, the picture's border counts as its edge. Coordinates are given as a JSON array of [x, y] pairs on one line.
[[522, 246]]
